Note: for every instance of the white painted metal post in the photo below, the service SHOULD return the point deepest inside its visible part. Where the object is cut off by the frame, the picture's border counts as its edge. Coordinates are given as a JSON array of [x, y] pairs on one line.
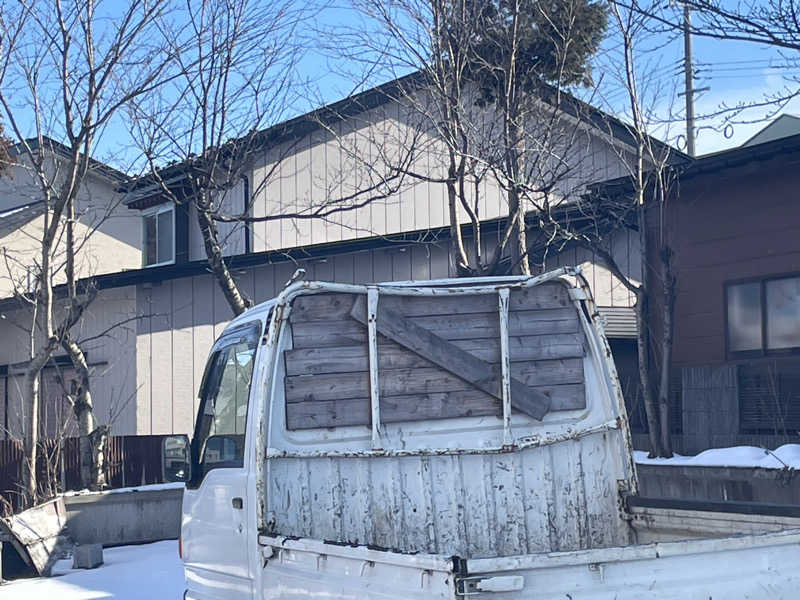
[[505, 361], [374, 382]]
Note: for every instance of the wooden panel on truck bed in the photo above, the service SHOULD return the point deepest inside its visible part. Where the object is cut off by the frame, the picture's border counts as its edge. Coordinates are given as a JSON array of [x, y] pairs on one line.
[[327, 374]]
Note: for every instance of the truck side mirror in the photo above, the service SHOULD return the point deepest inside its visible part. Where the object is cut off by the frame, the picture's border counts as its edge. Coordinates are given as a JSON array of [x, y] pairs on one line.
[[176, 462]]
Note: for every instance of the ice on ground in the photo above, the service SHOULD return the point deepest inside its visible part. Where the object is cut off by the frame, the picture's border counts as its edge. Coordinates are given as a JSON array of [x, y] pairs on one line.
[[146, 572], [787, 455]]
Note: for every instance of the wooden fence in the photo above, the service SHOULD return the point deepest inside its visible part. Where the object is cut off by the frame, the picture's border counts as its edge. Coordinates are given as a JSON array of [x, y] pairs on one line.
[[130, 460]]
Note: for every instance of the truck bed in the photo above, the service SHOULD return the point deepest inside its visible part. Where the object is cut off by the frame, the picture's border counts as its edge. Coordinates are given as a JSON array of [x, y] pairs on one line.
[[761, 564]]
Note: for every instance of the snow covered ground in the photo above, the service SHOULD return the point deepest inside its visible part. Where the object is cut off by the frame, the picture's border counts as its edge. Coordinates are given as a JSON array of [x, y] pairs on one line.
[[146, 572], [787, 455], [143, 488]]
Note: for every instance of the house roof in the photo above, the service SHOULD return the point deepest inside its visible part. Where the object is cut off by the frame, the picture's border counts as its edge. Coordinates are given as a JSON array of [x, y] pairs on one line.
[[312, 121], [11, 219], [168, 272], [736, 157], [715, 162], [783, 126], [58, 148]]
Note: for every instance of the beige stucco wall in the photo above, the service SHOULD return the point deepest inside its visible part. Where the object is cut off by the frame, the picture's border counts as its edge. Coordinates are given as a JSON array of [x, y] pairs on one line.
[[108, 236]]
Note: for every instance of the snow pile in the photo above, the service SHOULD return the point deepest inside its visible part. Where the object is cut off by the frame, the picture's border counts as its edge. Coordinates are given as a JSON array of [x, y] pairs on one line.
[[138, 488], [787, 455], [146, 572]]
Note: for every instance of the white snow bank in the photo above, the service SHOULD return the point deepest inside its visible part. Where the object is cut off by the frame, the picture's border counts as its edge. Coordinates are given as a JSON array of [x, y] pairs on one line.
[[138, 488], [147, 572], [787, 455]]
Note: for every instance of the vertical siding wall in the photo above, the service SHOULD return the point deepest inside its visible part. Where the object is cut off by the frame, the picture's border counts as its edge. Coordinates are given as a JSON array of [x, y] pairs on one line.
[[728, 227], [711, 412], [607, 290], [330, 165], [112, 358]]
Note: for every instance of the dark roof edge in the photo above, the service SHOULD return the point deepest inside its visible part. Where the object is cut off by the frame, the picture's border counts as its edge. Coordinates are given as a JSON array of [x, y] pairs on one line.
[[20, 206], [735, 157], [310, 122], [340, 110], [256, 259], [96, 165]]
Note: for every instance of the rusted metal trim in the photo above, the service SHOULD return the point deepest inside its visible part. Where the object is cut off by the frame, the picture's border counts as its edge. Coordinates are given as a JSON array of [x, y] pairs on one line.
[[361, 553], [535, 441], [505, 362], [374, 382], [598, 339]]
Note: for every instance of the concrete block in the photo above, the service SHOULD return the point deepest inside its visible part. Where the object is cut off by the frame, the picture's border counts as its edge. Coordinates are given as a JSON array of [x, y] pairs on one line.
[[87, 556]]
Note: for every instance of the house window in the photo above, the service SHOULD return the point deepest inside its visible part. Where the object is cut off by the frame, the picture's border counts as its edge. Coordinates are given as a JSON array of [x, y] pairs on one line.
[[159, 236], [763, 317], [769, 397]]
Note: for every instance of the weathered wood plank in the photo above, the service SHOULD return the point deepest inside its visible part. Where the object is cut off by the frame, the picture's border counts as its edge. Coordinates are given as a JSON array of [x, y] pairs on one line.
[[439, 351], [422, 380], [325, 307], [350, 359], [313, 388], [395, 409], [454, 327]]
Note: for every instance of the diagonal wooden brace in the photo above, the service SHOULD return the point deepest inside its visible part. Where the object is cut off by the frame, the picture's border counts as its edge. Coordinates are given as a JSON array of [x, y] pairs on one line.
[[483, 375]]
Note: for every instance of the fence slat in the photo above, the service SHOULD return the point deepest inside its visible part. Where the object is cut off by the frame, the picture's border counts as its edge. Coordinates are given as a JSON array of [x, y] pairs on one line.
[[130, 460]]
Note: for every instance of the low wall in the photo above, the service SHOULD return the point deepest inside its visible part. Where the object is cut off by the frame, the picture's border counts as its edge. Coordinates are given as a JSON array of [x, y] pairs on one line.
[[124, 517], [732, 484]]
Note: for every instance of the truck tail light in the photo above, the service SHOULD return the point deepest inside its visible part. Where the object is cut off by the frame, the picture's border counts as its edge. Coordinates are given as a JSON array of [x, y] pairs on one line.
[[180, 548]]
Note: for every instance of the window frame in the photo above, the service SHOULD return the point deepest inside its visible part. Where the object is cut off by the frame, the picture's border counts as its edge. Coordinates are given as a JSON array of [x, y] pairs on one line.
[[254, 329], [154, 212], [764, 351]]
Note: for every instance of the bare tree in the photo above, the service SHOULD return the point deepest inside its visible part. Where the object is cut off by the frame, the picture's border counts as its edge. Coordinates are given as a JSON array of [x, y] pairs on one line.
[[636, 201], [492, 76], [235, 85], [66, 70], [651, 175], [768, 24]]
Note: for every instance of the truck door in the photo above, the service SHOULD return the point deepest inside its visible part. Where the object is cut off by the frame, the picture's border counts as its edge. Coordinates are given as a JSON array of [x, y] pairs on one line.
[[215, 535]]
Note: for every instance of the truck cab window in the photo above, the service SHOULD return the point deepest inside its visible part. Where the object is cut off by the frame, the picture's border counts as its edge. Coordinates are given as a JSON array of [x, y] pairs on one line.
[[220, 431]]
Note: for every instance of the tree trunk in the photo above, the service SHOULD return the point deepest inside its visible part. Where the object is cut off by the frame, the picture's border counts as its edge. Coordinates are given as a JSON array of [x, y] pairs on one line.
[[666, 350], [208, 228], [643, 337], [642, 344], [520, 265], [82, 407], [458, 255], [98, 441], [31, 440]]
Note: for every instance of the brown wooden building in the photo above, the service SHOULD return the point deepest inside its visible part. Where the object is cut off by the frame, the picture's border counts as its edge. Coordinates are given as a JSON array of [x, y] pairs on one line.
[[734, 226]]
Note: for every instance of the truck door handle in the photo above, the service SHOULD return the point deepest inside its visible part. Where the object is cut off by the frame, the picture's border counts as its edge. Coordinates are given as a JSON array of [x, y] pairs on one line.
[[237, 503]]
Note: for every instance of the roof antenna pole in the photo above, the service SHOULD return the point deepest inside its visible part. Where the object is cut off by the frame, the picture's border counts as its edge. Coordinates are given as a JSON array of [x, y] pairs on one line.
[[689, 75]]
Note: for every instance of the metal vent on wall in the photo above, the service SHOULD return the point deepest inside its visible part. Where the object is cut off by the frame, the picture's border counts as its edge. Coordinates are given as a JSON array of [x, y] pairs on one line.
[[620, 321]]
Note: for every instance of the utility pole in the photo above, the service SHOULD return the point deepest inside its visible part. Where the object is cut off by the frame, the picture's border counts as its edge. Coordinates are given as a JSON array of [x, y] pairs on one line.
[[689, 74]]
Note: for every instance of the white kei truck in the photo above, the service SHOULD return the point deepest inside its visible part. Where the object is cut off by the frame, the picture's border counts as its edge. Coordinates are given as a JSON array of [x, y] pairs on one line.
[[450, 439]]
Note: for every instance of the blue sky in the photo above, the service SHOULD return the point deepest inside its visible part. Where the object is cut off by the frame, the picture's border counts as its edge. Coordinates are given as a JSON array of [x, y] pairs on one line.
[[735, 72]]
